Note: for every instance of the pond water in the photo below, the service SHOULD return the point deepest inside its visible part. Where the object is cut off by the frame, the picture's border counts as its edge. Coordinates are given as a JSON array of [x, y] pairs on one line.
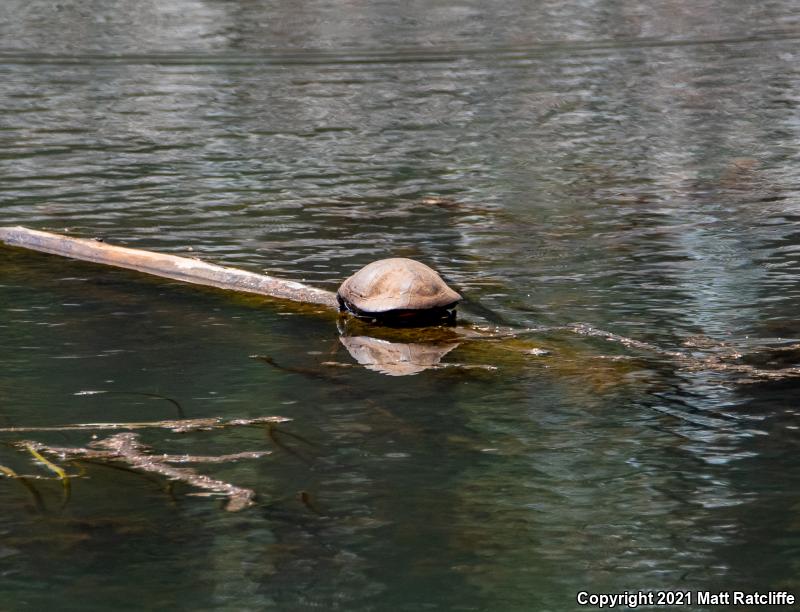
[[631, 166]]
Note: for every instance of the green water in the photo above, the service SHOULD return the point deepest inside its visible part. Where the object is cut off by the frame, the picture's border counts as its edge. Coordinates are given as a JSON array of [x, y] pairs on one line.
[[628, 165]]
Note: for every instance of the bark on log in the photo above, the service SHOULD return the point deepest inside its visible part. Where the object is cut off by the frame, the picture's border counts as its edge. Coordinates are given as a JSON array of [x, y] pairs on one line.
[[168, 266]]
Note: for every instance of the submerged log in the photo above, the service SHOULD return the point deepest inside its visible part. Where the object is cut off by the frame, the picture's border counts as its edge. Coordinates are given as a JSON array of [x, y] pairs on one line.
[[572, 361], [168, 266]]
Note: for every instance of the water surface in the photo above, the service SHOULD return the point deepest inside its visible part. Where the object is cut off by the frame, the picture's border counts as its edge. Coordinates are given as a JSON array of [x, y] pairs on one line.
[[627, 165]]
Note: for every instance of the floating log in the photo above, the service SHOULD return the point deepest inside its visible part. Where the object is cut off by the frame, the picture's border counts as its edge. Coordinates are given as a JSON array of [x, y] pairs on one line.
[[183, 269]]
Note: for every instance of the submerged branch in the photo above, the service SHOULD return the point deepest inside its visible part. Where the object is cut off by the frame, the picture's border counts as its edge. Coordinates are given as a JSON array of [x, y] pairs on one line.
[[174, 402], [7, 471], [178, 425], [24, 480], [718, 356], [59, 472], [125, 447], [213, 459]]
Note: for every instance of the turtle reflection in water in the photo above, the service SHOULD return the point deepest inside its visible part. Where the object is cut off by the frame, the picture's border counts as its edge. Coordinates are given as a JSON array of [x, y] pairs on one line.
[[395, 358]]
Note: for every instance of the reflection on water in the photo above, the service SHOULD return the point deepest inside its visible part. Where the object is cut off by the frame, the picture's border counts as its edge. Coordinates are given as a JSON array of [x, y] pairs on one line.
[[627, 165], [394, 358]]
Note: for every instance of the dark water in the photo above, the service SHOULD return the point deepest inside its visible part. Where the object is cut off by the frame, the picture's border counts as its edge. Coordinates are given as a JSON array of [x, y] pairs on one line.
[[628, 165]]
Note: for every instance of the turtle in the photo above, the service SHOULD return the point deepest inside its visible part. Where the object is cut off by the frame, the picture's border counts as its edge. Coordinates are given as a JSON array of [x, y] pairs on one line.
[[398, 291]]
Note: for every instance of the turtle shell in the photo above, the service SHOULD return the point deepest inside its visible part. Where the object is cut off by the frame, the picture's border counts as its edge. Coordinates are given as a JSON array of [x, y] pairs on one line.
[[396, 285]]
